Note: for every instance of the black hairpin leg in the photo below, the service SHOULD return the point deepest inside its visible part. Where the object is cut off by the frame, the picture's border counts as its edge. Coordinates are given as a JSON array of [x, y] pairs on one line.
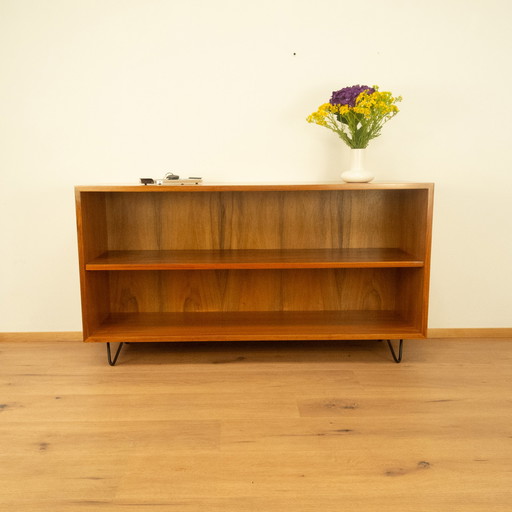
[[396, 358], [111, 361]]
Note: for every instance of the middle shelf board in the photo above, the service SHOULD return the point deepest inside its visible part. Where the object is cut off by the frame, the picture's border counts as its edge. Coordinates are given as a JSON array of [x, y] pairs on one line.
[[254, 259]]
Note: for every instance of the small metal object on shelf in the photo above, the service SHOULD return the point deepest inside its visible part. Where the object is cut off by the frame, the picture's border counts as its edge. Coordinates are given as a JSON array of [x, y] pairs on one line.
[[188, 181], [172, 179]]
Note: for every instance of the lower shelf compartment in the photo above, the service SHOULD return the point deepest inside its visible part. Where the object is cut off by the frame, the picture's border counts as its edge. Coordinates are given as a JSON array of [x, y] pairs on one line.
[[254, 325]]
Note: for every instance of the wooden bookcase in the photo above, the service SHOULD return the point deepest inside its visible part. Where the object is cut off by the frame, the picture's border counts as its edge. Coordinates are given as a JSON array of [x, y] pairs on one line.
[[254, 262]]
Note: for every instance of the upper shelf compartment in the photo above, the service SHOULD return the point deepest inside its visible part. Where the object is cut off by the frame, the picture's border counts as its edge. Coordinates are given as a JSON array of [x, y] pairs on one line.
[[321, 226], [253, 259]]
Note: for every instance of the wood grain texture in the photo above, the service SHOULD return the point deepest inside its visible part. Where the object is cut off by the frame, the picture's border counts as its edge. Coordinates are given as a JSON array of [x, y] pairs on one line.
[[254, 290], [471, 332], [49, 336], [290, 219], [433, 333], [245, 187], [253, 325], [254, 259], [92, 241], [245, 426], [240, 248]]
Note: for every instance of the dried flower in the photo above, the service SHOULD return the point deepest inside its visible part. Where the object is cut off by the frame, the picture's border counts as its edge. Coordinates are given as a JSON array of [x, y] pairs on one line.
[[348, 95], [356, 113]]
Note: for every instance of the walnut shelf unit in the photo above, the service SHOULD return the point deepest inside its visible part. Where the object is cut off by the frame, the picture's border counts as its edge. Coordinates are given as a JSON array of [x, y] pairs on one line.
[[254, 262]]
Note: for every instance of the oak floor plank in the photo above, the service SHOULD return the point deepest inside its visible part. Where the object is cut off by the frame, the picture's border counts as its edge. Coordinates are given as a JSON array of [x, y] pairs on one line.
[[204, 406], [250, 427], [194, 381]]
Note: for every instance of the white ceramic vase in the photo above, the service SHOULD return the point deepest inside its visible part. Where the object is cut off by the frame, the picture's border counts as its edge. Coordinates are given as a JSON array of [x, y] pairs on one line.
[[356, 173]]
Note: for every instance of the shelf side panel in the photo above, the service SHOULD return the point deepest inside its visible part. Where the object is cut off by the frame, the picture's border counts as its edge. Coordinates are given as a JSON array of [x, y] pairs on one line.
[[92, 242], [410, 299], [92, 225], [417, 239]]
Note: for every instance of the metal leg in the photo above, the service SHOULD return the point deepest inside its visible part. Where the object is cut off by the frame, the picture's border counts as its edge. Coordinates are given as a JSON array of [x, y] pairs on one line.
[[111, 361], [396, 358]]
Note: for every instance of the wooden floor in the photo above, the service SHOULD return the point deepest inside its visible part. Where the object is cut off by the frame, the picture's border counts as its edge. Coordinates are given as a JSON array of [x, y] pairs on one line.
[[257, 427]]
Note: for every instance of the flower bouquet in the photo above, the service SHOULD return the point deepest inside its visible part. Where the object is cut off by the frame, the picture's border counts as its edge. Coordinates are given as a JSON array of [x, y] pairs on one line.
[[357, 114]]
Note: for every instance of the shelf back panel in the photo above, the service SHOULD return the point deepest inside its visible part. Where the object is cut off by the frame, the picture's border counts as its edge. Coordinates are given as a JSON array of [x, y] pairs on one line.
[[262, 220], [252, 290]]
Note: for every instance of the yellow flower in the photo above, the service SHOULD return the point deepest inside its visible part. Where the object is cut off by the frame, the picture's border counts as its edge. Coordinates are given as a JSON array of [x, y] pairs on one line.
[[361, 123], [318, 117], [362, 110]]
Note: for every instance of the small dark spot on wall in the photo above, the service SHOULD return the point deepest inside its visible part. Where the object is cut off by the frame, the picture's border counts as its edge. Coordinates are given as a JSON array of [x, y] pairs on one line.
[[3, 406], [57, 398], [423, 464], [43, 446]]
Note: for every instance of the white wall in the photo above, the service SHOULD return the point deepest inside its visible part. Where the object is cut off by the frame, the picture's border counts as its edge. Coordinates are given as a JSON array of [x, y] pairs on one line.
[[106, 91]]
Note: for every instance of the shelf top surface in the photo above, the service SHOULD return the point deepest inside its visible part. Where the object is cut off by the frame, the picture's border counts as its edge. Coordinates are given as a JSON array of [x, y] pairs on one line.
[[236, 187]]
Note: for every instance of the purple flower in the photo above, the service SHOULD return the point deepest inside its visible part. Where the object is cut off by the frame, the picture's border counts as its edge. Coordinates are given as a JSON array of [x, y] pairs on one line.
[[348, 95]]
